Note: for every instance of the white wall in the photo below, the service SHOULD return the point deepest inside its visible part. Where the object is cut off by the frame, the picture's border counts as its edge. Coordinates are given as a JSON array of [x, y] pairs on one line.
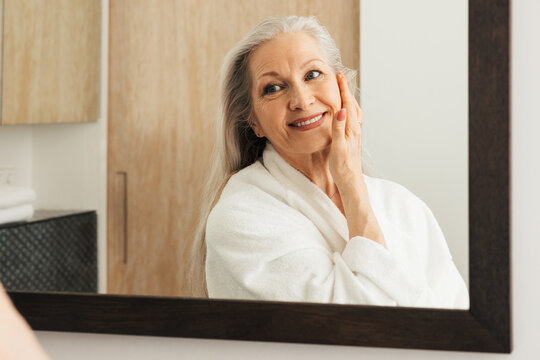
[[414, 96], [16, 152], [65, 166], [525, 251], [59, 161]]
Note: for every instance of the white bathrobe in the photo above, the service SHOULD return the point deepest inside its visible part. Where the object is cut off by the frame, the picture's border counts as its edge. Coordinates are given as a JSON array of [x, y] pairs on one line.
[[274, 235]]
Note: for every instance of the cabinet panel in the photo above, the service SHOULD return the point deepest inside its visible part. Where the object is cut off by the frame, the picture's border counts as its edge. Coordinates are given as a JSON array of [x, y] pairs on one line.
[[51, 55], [163, 98]]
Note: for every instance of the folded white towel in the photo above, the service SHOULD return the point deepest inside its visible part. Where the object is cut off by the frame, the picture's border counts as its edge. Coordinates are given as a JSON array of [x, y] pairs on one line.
[[11, 196], [16, 213]]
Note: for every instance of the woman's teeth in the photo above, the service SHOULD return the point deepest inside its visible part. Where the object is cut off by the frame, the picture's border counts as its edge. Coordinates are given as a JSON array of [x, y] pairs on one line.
[[303, 123]]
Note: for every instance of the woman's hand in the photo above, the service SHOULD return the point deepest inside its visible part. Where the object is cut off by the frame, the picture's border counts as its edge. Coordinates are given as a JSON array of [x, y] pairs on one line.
[[345, 158], [345, 161]]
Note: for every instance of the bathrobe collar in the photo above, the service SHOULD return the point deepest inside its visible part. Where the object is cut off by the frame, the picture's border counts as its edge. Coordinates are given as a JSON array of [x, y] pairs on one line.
[[307, 198]]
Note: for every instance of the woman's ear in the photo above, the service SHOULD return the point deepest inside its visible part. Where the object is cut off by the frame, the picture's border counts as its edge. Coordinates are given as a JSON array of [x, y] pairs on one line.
[[256, 129], [257, 132]]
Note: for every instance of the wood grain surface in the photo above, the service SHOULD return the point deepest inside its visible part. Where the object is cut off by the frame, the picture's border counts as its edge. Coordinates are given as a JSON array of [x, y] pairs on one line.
[[51, 55]]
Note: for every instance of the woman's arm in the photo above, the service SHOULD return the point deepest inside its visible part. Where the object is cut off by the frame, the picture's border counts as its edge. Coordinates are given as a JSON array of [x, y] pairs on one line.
[[445, 287], [346, 168], [17, 342]]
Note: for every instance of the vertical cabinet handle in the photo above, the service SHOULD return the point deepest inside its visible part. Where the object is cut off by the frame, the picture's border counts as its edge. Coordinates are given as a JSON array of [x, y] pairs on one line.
[[122, 189]]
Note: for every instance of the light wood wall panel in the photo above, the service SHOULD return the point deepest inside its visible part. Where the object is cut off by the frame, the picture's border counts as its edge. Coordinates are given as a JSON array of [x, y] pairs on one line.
[[164, 66], [51, 61], [2, 49]]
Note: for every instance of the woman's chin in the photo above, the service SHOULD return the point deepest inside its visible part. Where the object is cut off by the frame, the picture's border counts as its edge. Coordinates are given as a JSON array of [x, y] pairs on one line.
[[317, 145], [305, 145]]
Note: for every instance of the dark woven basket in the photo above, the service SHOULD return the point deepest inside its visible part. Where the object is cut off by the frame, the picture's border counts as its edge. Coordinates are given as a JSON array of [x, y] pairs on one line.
[[54, 251]]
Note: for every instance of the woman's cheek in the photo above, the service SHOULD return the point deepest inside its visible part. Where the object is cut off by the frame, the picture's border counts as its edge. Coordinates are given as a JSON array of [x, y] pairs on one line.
[[266, 108], [334, 97]]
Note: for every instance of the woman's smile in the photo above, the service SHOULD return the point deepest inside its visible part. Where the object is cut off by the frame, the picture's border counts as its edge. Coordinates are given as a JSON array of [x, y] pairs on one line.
[[309, 123]]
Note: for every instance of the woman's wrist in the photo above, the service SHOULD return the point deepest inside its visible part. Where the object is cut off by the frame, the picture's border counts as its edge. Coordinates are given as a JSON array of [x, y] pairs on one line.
[[355, 199], [361, 219], [352, 186]]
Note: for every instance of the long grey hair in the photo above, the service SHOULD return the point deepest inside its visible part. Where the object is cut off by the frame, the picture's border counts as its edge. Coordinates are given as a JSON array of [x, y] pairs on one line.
[[237, 145]]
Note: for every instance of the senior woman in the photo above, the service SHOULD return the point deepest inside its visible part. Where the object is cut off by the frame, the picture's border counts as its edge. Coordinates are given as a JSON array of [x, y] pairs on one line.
[[291, 216]]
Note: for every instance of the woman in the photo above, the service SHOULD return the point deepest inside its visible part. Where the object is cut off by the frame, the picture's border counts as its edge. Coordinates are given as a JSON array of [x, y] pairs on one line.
[[293, 217]]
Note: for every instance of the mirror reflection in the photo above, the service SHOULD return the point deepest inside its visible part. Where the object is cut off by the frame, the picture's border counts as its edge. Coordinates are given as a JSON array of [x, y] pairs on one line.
[[278, 180]]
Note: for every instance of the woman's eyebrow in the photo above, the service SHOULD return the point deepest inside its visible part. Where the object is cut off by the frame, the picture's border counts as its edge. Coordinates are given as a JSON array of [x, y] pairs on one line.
[[270, 73]]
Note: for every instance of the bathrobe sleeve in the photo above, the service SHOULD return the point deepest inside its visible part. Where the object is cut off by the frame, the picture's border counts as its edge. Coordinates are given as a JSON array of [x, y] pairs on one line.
[[416, 239], [434, 282], [260, 248]]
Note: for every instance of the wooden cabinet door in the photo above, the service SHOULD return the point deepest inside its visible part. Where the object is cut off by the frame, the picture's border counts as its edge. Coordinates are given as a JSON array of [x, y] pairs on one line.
[[164, 66], [51, 55]]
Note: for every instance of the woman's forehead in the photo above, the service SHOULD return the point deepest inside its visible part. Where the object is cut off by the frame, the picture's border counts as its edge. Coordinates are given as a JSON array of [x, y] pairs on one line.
[[283, 51]]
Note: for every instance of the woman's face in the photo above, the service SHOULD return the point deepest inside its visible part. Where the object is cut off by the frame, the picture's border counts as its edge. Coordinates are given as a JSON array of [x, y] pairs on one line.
[[295, 94]]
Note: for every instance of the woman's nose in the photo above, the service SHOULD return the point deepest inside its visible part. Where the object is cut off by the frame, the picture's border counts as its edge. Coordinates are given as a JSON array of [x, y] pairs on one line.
[[300, 98]]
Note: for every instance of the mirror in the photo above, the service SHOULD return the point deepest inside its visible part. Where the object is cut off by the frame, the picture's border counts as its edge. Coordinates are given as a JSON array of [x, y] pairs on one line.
[[161, 110], [461, 324], [146, 109]]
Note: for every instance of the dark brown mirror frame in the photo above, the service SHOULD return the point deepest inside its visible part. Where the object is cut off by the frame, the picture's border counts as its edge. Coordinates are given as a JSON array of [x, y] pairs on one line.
[[485, 327]]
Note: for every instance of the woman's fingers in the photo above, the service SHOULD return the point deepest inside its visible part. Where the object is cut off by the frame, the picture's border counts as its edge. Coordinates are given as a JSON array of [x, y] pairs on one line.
[[346, 149], [338, 129], [349, 102], [342, 89]]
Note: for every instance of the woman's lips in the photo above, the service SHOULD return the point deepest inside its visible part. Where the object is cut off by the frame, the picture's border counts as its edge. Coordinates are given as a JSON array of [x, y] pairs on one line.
[[309, 124]]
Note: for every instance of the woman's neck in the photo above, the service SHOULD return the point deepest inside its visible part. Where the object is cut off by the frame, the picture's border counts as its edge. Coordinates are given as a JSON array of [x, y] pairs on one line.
[[315, 167]]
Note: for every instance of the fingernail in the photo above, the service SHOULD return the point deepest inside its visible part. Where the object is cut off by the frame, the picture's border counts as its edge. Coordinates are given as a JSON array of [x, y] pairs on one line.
[[342, 114]]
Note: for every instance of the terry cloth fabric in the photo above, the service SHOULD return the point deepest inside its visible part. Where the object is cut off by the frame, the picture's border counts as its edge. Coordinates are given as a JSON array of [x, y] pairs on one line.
[[11, 196], [274, 235], [16, 213]]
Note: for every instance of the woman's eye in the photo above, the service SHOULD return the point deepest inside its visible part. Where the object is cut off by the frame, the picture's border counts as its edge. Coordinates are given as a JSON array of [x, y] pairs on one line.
[[271, 89], [313, 74]]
